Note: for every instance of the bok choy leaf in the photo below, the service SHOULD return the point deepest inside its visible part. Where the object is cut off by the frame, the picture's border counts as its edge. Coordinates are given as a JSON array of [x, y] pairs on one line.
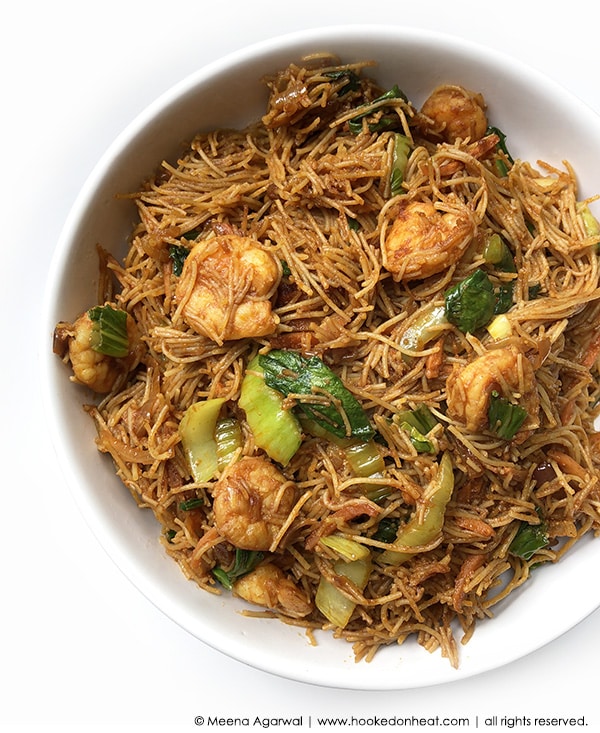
[[275, 428], [504, 417], [245, 561], [470, 303], [529, 539], [319, 393]]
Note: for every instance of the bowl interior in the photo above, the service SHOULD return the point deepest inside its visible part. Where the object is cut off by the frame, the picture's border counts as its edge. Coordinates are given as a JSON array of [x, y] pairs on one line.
[[541, 121]]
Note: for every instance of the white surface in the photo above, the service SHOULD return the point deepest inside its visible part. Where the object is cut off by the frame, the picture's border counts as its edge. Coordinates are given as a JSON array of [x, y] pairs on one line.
[[80, 645]]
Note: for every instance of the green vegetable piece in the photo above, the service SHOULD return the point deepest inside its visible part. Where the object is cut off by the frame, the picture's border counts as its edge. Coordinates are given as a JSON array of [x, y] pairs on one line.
[[197, 431], [291, 373], [427, 521], [470, 304], [402, 148], [245, 561], [331, 601], [529, 539], [379, 493], [351, 77], [364, 457], [500, 327], [420, 418], [504, 417], [394, 93], [387, 529], [276, 430], [501, 167], [502, 143], [386, 122], [228, 437], [494, 249], [504, 298], [429, 322], [419, 441], [590, 223], [497, 252], [418, 423], [109, 331], [190, 504], [355, 124], [348, 549], [500, 164], [178, 254]]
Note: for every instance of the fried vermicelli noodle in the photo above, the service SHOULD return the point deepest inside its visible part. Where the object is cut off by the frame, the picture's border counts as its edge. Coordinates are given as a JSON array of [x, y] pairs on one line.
[[389, 330]]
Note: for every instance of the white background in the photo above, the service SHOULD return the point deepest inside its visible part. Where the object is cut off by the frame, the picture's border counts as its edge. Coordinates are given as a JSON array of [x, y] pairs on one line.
[[79, 645]]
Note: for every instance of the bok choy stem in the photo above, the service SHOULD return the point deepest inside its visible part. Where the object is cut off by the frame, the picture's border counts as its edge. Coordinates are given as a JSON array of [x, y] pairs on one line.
[[197, 431], [336, 606], [427, 521], [276, 429]]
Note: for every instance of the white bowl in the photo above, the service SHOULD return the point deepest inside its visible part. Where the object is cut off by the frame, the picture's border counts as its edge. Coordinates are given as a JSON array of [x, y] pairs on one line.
[[541, 120]]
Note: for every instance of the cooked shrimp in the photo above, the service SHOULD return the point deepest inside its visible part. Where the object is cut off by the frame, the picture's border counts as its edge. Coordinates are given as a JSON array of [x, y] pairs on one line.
[[453, 112], [226, 286], [423, 240], [506, 371], [252, 501], [270, 587], [99, 372]]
